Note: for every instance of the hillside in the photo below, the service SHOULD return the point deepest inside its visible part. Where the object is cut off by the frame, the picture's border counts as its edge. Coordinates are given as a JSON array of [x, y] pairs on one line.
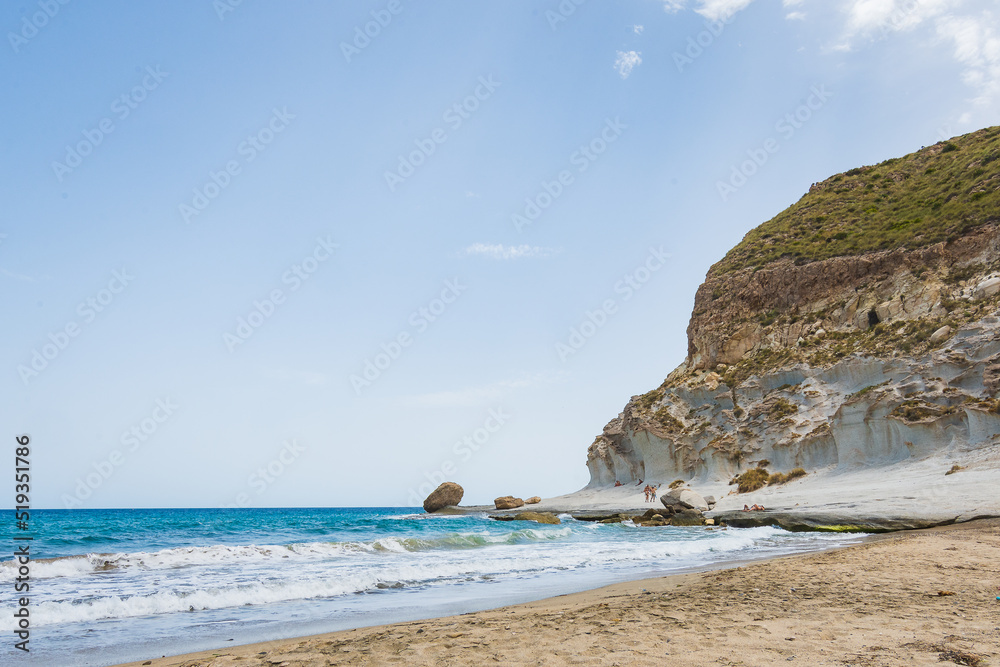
[[937, 194], [856, 330]]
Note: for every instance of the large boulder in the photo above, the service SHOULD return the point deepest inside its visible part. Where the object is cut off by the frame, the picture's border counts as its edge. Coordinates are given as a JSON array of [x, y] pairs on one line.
[[688, 498], [533, 500], [447, 494], [940, 335], [670, 502], [507, 502], [987, 288]]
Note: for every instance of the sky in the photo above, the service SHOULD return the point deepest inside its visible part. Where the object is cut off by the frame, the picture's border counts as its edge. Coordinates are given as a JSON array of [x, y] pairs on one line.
[[334, 253]]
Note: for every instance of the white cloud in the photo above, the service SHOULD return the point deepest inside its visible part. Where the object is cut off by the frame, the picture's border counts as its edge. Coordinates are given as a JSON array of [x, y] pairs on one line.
[[973, 37], [977, 47], [715, 10], [501, 251], [478, 396], [637, 29], [972, 33], [864, 15], [17, 276], [626, 62], [886, 16]]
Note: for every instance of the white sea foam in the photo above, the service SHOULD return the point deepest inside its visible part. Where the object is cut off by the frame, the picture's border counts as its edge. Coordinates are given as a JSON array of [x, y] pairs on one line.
[[179, 557], [129, 585]]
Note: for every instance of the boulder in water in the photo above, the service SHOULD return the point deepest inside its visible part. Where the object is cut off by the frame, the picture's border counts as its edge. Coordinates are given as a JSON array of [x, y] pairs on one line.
[[447, 494]]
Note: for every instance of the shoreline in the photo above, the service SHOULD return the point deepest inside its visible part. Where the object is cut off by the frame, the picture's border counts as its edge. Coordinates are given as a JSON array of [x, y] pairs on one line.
[[873, 603]]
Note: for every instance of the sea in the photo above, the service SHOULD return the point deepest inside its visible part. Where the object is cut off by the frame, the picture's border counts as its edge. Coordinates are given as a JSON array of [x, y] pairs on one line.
[[111, 586]]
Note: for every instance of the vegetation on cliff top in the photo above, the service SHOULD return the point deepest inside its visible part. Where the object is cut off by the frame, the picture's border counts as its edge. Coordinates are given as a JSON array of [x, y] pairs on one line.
[[936, 194]]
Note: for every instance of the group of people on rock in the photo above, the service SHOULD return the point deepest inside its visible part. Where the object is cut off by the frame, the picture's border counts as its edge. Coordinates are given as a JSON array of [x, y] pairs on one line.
[[754, 508], [649, 491]]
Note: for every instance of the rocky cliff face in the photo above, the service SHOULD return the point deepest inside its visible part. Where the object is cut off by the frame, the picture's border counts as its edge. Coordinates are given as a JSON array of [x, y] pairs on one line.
[[858, 359]]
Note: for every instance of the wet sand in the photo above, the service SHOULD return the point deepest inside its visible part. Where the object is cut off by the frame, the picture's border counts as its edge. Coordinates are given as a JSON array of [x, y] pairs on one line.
[[915, 598]]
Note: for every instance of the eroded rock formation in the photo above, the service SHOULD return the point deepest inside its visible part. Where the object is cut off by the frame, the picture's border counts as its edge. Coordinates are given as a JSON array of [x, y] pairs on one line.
[[856, 360]]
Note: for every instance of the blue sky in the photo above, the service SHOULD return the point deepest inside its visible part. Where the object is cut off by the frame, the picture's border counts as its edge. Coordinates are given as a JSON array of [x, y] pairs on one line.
[[218, 218]]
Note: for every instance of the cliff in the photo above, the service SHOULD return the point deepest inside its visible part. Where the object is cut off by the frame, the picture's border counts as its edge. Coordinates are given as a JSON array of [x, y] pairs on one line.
[[858, 329]]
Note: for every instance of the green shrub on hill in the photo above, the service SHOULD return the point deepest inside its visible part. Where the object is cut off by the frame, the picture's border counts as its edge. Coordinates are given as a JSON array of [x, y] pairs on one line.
[[936, 194], [752, 480]]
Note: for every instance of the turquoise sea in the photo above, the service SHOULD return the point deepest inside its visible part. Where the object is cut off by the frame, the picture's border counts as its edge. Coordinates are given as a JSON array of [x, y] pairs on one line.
[[109, 586]]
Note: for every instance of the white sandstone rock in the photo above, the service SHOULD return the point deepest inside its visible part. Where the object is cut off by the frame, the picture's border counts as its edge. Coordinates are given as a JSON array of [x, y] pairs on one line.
[[940, 335], [689, 499], [987, 288]]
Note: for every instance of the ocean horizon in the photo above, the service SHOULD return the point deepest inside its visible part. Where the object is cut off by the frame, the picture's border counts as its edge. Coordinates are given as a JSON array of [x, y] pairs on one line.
[[114, 585]]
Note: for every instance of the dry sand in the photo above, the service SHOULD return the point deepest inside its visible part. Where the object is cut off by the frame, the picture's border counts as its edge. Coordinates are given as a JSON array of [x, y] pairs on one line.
[[917, 598]]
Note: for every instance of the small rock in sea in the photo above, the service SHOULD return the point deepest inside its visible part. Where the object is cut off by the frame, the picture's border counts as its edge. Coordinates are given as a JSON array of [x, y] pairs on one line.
[[507, 502], [533, 500], [688, 518], [538, 517]]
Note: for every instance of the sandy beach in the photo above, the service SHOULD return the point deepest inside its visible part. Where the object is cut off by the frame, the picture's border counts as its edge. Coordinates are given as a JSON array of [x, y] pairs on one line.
[[912, 598]]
